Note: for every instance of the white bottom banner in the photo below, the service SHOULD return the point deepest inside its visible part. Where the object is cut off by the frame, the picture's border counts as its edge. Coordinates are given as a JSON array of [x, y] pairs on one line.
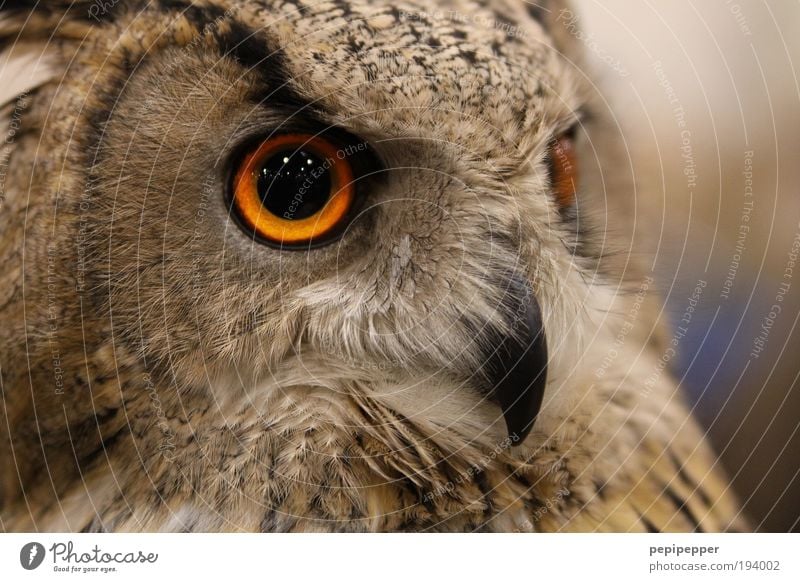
[[400, 557]]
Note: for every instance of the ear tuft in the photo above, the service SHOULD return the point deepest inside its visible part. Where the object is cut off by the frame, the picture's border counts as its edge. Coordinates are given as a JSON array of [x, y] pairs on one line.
[[43, 20], [36, 36], [24, 67], [94, 10]]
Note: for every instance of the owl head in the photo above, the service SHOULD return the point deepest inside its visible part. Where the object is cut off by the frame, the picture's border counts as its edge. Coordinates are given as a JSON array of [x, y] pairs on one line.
[[367, 207]]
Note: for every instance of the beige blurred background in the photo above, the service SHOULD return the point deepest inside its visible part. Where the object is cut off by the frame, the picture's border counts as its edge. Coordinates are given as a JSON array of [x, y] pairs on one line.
[[720, 79]]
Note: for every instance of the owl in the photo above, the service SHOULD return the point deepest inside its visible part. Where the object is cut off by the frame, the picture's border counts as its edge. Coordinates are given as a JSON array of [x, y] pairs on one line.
[[302, 265]]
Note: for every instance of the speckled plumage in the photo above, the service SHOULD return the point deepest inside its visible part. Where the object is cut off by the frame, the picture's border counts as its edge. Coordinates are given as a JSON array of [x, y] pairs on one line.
[[162, 371]]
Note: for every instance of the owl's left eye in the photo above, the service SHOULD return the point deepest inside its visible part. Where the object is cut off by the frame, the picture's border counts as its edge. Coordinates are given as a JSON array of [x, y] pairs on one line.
[[294, 189], [563, 165]]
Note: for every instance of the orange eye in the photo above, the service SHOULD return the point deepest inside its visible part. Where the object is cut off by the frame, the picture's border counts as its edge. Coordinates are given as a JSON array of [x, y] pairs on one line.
[[563, 170], [294, 188]]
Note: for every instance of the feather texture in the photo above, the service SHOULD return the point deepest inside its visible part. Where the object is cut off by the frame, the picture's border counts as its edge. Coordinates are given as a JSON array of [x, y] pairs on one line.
[[166, 372]]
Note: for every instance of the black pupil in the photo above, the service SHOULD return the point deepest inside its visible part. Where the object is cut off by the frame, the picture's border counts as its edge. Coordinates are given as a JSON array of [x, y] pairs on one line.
[[294, 184]]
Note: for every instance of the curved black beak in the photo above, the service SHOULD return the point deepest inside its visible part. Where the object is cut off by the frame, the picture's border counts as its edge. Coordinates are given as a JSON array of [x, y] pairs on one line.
[[516, 366]]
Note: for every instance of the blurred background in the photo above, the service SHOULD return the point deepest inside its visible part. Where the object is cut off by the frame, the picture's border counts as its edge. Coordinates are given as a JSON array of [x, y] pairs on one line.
[[707, 93]]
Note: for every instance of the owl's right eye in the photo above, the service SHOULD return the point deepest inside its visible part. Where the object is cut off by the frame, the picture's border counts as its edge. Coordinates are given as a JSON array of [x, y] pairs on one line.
[[294, 189]]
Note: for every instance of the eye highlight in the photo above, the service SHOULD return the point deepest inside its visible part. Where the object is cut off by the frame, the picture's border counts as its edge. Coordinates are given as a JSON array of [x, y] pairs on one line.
[[563, 169], [294, 189]]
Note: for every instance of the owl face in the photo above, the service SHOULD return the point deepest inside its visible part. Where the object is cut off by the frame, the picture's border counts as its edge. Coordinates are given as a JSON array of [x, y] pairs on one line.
[[327, 192], [312, 266]]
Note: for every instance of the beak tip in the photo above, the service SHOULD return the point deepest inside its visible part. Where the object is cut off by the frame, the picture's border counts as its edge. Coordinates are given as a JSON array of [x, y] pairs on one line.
[[519, 371]]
